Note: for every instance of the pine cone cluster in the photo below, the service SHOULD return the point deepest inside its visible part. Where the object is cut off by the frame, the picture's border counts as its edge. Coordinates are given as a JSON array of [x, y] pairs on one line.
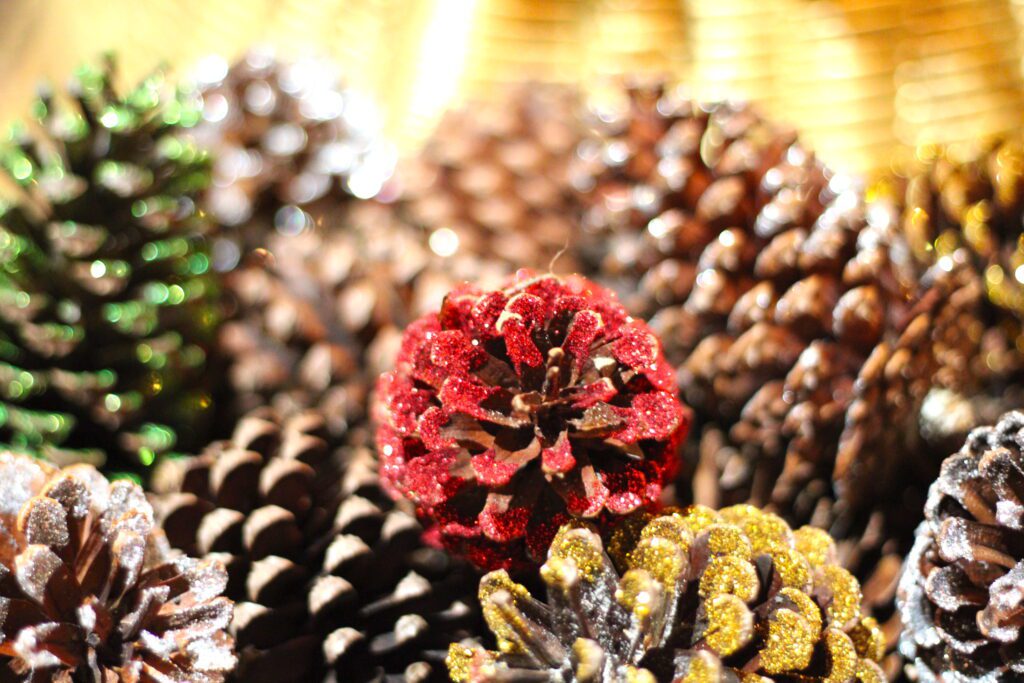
[[961, 592], [89, 590], [800, 325], [494, 177], [332, 581], [702, 596], [514, 409], [106, 302], [292, 147]]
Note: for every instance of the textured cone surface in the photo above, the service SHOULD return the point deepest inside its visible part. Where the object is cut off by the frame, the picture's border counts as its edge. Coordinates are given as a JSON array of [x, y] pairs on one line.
[[105, 299], [696, 595], [317, 316], [331, 580], [292, 146], [89, 590], [514, 409], [969, 213], [493, 178], [961, 593], [792, 310]]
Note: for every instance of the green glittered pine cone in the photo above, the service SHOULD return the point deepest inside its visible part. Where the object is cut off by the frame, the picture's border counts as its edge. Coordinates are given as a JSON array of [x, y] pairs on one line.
[[105, 301]]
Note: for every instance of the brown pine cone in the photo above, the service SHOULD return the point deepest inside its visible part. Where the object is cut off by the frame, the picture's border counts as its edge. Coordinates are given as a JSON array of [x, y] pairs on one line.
[[291, 146], [89, 590], [493, 178], [318, 315], [798, 319], [700, 596], [968, 209], [961, 595], [331, 579]]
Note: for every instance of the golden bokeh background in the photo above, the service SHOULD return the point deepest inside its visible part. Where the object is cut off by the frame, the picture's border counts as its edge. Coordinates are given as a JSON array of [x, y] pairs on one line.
[[866, 80]]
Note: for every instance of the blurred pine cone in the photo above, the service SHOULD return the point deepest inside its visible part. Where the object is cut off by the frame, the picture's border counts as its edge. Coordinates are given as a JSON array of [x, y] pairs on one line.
[[701, 596], [800, 324], [89, 591], [970, 212], [962, 592], [105, 296], [331, 579], [318, 315], [285, 136], [493, 178]]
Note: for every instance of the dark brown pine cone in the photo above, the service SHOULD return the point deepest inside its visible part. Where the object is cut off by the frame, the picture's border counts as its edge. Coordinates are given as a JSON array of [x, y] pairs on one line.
[[961, 595], [318, 315], [331, 579], [794, 311], [493, 178], [89, 590], [285, 136]]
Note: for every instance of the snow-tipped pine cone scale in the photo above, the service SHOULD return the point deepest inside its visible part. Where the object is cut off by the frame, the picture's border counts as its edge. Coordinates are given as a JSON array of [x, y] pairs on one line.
[[89, 590], [511, 411], [961, 595]]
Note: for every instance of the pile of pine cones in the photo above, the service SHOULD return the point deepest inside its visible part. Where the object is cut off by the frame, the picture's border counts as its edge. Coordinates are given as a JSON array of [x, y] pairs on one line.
[[273, 399]]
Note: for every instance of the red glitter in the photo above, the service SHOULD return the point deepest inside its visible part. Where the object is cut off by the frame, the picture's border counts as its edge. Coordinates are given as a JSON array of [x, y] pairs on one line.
[[558, 459], [509, 412], [490, 472], [584, 329]]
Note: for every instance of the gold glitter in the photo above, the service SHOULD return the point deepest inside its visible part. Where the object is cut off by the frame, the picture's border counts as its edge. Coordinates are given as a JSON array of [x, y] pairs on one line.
[[703, 667], [725, 539], [672, 529], [663, 559], [807, 608], [634, 675], [589, 658], [500, 581], [559, 572], [730, 624], [638, 592], [842, 657], [846, 595], [868, 638], [790, 643], [505, 619], [625, 537], [793, 568], [816, 545], [581, 546], [460, 661], [725, 574], [869, 672], [697, 518], [765, 530]]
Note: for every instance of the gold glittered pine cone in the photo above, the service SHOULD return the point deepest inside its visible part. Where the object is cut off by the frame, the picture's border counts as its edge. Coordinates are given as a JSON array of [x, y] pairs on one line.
[[89, 590], [107, 301], [801, 325], [493, 177], [331, 579], [961, 595], [285, 135], [698, 595], [317, 315]]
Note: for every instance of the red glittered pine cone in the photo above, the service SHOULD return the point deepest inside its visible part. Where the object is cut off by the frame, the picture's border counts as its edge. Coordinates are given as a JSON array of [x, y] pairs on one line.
[[517, 409]]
